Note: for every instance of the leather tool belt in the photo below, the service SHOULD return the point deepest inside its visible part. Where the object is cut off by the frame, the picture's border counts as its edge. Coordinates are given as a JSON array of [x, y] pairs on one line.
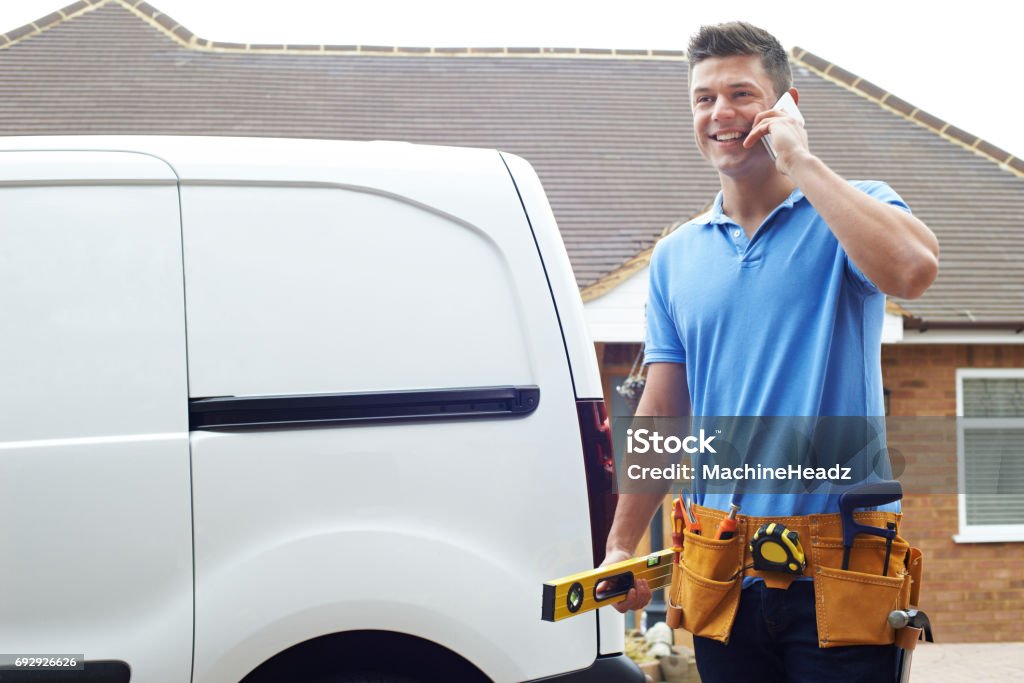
[[852, 604]]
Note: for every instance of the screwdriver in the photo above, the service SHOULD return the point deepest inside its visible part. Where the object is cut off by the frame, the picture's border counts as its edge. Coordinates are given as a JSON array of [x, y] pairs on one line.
[[677, 525], [674, 614], [727, 528], [692, 524]]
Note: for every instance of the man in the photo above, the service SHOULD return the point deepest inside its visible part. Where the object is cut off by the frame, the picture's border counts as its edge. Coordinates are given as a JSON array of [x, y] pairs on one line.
[[771, 304]]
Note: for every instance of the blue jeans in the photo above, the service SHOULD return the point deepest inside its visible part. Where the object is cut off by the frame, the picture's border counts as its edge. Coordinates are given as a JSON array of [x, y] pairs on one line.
[[775, 640]]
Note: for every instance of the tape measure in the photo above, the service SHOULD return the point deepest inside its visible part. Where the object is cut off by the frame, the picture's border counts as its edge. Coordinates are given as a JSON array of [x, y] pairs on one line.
[[577, 593], [777, 549]]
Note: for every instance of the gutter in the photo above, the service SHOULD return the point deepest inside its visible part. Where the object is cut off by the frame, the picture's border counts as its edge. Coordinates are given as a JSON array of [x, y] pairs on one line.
[[912, 323]]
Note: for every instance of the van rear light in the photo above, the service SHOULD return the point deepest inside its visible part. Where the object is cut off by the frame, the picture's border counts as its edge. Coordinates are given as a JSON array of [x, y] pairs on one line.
[[599, 464]]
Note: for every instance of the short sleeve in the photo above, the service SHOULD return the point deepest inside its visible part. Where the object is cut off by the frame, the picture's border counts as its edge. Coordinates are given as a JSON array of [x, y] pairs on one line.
[[663, 344], [883, 193]]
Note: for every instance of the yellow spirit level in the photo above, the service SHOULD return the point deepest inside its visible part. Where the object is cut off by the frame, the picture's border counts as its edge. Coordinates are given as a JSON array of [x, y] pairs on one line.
[[576, 594]]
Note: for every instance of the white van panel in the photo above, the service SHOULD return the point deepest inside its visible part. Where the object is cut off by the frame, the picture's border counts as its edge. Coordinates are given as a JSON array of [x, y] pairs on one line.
[[330, 529], [94, 460], [89, 277], [98, 551], [325, 290], [579, 346], [500, 505]]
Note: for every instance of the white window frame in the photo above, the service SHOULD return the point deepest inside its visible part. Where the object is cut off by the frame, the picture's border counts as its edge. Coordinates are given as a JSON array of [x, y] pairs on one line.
[[981, 533]]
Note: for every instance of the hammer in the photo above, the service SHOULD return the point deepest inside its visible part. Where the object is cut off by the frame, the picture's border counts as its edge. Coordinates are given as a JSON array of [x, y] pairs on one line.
[[909, 625]]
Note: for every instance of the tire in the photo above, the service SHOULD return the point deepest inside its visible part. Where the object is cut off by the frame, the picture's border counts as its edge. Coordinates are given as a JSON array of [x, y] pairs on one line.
[[364, 677]]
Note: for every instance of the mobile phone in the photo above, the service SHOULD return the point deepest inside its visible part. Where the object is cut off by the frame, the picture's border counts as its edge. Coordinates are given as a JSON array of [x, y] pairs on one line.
[[788, 105]]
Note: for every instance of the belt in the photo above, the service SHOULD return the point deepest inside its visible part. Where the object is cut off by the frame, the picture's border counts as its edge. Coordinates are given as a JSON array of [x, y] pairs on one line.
[[821, 536]]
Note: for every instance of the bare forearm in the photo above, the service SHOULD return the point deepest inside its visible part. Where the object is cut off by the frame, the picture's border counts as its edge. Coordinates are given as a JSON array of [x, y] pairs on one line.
[[892, 248], [665, 395], [632, 516]]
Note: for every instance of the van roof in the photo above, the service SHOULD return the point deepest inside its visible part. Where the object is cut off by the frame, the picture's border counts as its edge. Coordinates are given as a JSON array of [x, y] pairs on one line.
[[269, 159]]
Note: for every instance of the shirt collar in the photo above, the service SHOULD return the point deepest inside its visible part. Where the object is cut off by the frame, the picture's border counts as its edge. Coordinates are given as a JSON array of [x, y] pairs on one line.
[[715, 216]]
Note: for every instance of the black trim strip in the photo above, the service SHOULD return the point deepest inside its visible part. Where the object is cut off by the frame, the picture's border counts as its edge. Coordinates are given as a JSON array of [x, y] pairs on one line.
[[91, 672], [318, 409]]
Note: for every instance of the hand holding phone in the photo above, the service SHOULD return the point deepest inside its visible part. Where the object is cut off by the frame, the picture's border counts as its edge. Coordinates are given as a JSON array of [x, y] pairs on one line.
[[788, 105]]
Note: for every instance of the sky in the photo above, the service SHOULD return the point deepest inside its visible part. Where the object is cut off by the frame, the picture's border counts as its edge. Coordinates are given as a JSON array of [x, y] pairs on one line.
[[955, 60]]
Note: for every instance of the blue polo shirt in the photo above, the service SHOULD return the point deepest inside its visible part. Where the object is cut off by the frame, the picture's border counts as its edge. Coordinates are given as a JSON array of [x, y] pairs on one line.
[[781, 324]]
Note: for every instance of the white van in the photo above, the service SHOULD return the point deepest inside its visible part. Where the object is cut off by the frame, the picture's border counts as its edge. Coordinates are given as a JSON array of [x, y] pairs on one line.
[[293, 410]]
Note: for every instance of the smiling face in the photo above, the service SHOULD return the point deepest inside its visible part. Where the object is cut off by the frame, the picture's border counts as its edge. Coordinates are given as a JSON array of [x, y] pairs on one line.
[[726, 93]]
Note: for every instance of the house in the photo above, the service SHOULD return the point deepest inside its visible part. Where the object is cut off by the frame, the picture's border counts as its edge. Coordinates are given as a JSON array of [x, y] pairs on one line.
[[609, 132]]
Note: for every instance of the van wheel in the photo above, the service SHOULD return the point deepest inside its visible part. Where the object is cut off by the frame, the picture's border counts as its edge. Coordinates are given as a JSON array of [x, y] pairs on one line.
[[365, 677]]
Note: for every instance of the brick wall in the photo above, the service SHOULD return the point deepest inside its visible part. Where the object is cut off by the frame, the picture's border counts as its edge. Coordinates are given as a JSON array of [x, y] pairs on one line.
[[973, 592]]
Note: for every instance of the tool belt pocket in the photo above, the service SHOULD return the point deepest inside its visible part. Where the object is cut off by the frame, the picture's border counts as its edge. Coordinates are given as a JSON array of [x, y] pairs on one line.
[[853, 605], [706, 585]]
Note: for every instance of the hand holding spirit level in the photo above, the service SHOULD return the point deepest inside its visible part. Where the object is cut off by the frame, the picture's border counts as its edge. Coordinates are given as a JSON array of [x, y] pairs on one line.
[[578, 593]]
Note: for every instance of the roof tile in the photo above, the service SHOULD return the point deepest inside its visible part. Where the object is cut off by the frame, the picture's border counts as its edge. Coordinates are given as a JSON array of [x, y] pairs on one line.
[[183, 33], [900, 105], [227, 46], [48, 20], [960, 134], [991, 150], [870, 89], [811, 59], [933, 122], [842, 75], [74, 8], [20, 32], [165, 21]]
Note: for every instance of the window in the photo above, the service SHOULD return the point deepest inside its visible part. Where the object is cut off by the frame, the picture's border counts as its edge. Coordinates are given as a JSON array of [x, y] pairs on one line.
[[990, 453]]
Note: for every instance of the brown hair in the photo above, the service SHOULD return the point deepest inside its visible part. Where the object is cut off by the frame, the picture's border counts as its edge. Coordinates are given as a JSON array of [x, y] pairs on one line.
[[741, 38]]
